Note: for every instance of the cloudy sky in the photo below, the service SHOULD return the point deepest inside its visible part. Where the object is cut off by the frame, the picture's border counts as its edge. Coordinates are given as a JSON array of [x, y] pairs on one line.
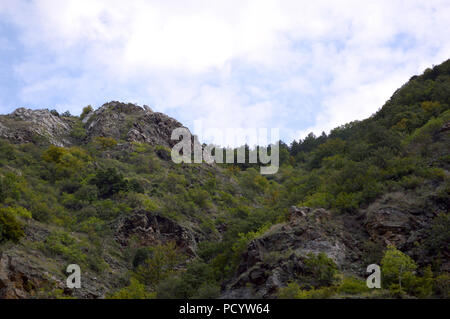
[[297, 65]]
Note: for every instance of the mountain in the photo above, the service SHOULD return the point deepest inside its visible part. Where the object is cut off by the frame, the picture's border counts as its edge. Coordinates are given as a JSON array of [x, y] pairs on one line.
[[100, 190], [120, 121]]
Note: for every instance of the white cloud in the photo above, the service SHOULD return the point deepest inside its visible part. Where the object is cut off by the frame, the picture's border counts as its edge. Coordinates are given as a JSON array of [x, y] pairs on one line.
[[236, 63]]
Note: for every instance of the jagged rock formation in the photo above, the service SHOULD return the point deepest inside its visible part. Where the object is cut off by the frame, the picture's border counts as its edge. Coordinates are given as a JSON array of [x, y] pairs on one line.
[[26, 272], [402, 220], [132, 123], [18, 278], [24, 125], [151, 229], [273, 259], [121, 121]]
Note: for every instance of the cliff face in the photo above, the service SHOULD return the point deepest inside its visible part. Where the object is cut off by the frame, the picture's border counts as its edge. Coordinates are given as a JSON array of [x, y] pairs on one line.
[[27, 126], [278, 256], [120, 121], [131, 123]]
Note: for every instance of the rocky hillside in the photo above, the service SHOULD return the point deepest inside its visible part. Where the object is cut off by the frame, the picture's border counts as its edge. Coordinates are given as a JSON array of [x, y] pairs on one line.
[[100, 190], [129, 122]]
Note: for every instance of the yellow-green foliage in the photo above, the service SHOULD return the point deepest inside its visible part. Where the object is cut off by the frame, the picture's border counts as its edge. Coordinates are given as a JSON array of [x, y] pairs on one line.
[[66, 162], [105, 143], [321, 268], [135, 290], [66, 246], [11, 228], [294, 291], [86, 110], [352, 286], [399, 275], [397, 268], [13, 188]]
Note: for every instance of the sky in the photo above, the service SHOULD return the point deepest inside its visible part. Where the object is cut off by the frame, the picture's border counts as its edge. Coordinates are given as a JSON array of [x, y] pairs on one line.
[[300, 66]]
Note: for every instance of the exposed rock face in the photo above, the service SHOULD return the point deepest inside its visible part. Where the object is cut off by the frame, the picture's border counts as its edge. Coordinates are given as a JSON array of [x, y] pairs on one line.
[[397, 220], [132, 123], [20, 279], [128, 122], [445, 127], [273, 259], [391, 226], [120, 121], [24, 125], [29, 273], [151, 229], [302, 211]]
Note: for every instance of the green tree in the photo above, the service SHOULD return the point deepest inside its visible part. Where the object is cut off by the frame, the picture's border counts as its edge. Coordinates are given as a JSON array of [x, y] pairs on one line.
[[423, 286], [109, 182], [159, 265], [397, 269]]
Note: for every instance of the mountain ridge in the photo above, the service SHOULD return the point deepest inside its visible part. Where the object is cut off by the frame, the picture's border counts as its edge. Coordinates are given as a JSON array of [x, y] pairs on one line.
[[100, 190]]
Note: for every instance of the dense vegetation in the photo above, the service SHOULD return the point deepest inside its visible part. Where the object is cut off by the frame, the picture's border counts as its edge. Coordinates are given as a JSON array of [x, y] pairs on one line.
[[79, 191]]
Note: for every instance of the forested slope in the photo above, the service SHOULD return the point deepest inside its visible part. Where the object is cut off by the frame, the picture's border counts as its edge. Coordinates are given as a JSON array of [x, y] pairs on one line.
[[100, 190]]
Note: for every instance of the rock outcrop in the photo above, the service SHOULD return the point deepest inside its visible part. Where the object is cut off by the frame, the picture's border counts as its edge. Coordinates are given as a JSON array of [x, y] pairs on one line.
[[25, 126], [132, 123], [19, 278], [275, 258], [398, 219], [151, 229], [121, 121]]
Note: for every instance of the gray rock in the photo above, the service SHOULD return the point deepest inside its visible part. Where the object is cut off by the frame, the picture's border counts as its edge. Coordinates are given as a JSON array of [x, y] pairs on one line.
[[275, 258], [152, 229], [24, 126]]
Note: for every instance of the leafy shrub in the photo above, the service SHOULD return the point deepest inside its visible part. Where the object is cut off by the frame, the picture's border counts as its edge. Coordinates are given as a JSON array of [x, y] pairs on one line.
[[207, 291], [54, 113], [321, 268], [423, 285], [199, 197], [424, 134], [291, 291], [64, 245], [138, 201], [196, 282], [141, 256], [86, 110], [318, 200], [352, 286], [346, 202], [87, 193], [109, 182], [159, 265], [10, 227], [12, 187], [135, 290], [294, 291], [41, 212], [438, 234], [105, 143], [442, 285], [78, 133], [54, 154]]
